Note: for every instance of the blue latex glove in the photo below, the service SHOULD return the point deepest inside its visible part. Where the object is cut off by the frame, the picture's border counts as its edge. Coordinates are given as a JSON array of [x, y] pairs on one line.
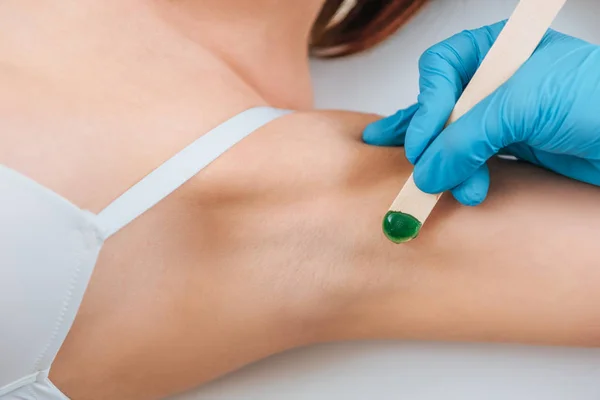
[[548, 114]]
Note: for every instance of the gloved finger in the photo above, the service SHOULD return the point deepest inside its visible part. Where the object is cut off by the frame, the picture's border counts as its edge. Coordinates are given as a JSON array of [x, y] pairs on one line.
[[445, 69], [578, 168], [474, 190], [435, 106], [463, 147], [581, 169], [390, 131]]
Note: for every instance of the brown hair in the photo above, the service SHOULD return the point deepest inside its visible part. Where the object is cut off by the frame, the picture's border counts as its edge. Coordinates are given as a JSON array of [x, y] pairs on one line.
[[349, 26]]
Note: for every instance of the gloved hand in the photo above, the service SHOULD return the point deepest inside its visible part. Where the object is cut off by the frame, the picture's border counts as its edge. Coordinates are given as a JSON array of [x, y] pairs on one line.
[[548, 114]]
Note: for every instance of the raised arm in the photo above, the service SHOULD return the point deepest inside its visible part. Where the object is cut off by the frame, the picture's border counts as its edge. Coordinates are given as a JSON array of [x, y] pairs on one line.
[[522, 267]]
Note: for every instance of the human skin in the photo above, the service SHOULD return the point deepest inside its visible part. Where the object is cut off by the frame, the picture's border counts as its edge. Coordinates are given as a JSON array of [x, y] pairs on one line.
[[278, 243]]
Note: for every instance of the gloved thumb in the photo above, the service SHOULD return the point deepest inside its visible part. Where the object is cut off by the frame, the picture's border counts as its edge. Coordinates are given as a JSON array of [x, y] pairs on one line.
[[456, 159], [390, 131]]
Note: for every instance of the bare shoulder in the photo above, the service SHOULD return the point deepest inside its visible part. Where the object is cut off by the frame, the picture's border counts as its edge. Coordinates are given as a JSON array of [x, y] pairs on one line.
[[308, 135], [316, 147], [345, 123]]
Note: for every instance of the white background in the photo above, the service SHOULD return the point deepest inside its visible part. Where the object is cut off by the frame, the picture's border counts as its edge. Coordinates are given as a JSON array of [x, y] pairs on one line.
[[381, 81]]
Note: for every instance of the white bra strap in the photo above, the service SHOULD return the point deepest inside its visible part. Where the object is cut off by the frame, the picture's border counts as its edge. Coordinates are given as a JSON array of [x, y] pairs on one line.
[[184, 165]]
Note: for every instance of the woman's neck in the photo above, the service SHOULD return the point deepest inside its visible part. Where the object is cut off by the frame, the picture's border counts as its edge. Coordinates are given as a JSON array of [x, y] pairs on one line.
[[263, 42]]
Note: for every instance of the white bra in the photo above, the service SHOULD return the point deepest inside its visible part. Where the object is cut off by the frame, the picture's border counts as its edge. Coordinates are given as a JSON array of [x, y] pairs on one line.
[[49, 247]]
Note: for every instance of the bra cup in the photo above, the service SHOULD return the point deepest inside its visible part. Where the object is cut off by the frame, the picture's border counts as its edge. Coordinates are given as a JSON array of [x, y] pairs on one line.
[[48, 250]]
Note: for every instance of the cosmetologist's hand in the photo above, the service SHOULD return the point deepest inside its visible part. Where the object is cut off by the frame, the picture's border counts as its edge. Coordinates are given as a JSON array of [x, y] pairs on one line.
[[548, 114]]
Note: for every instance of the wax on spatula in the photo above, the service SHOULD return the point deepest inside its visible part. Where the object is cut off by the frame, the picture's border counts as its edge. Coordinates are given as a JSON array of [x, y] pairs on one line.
[[513, 47]]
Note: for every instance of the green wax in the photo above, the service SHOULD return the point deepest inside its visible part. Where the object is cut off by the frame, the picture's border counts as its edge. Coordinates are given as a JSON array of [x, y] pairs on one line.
[[400, 227]]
